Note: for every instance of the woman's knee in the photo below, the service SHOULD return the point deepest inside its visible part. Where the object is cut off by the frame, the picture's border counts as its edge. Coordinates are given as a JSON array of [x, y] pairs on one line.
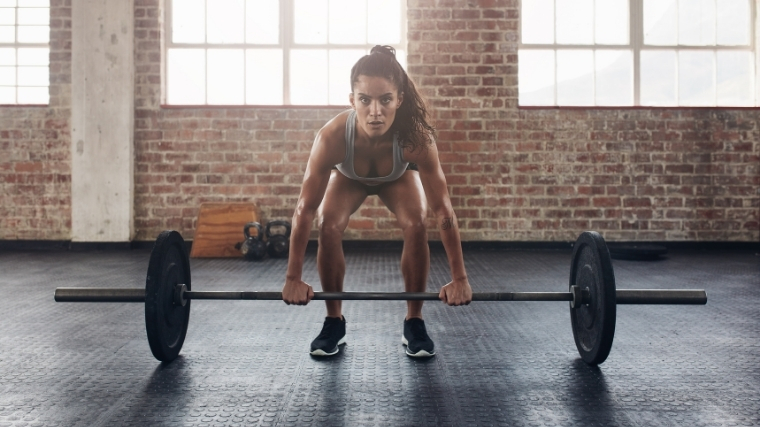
[[330, 229], [414, 228]]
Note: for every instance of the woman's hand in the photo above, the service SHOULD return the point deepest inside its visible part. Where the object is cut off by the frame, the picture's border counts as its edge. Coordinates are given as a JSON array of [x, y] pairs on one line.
[[457, 292], [297, 292]]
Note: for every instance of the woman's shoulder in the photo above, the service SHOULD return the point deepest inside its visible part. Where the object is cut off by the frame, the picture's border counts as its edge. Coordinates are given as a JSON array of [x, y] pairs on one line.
[[330, 140], [422, 151], [335, 128]]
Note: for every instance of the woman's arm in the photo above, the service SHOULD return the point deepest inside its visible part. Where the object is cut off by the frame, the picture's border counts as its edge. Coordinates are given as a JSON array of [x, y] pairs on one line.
[[458, 291], [325, 153]]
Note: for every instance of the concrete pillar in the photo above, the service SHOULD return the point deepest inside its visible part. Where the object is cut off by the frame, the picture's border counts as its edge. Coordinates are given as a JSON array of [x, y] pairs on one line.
[[102, 124]]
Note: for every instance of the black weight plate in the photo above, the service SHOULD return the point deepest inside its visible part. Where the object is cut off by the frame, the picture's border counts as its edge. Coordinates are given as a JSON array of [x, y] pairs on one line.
[[166, 322], [593, 323]]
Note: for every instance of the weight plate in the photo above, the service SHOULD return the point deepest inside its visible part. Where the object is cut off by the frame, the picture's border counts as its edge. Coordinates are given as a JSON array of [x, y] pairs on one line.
[[593, 323], [166, 322]]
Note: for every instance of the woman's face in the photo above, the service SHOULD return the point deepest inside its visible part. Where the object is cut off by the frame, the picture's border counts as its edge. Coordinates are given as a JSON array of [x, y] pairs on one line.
[[375, 100]]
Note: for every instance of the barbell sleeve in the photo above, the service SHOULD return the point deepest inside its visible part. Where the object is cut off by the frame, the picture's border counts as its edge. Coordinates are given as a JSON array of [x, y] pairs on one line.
[[661, 296], [623, 296], [100, 294]]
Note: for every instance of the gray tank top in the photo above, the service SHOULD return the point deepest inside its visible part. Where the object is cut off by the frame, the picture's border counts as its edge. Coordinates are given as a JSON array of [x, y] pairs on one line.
[[347, 167]]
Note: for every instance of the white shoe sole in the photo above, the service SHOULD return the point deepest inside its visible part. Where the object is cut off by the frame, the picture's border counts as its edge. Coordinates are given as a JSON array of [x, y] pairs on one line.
[[320, 352], [421, 353]]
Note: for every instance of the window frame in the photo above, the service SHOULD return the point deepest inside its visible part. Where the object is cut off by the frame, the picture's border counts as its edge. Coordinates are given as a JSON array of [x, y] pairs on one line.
[[636, 45], [16, 45], [287, 43]]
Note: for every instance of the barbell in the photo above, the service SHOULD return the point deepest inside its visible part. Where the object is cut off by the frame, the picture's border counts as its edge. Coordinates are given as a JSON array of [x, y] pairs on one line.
[[592, 295]]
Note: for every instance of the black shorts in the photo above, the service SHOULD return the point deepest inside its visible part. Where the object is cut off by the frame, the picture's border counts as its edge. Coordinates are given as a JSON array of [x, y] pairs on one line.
[[374, 190]]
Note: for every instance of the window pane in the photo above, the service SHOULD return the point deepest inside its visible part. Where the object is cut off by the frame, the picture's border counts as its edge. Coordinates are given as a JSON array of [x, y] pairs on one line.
[[7, 56], [310, 18], [734, 22], [7, 76], [33, 56], [348, 22], [262, 21], [225, 77], [385, 25], [696, 78], [34, 16], [33, 3], [537, 20], [660, 22], [696, 22], [225, 21], [33, 76], [308, 77], [401, 58], [736, 83], [7, 16], [659, 78], [33, 34], [575, 21], [33, 95], [614, 77], [7, 95], [611, 22], [535, 77], [7, 3], [188, 21], [7, 34], [263, 80], [575, 77], [341, 62], [186, 76]]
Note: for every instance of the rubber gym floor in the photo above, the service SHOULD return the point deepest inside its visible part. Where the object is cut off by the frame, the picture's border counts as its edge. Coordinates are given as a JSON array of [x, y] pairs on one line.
[[498, 363]]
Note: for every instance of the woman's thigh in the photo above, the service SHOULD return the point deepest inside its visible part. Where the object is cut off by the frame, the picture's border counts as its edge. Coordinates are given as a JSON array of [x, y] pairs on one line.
[[343, 197], [405, 197]]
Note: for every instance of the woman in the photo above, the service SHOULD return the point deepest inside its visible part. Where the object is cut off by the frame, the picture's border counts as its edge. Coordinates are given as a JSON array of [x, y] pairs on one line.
[[383, 146]]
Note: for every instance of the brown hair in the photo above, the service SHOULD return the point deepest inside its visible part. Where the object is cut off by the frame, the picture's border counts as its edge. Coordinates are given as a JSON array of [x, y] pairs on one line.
[[411, 121]]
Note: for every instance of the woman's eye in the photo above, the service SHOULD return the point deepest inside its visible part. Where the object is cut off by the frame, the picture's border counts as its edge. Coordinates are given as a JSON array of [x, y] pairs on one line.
[[386, 100], [364, 100]]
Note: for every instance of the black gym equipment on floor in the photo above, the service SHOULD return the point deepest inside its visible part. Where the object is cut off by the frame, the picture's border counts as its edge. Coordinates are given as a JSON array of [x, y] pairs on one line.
[[592, 295]]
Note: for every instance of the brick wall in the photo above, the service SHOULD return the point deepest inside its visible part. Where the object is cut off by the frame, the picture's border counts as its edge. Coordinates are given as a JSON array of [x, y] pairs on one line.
[[35, 158], [513, 174]]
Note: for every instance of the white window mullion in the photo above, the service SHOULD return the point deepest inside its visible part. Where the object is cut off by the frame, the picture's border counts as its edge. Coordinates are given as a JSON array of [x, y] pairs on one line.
[[205, 51], [286, 32], [556, 81], [636, 31]]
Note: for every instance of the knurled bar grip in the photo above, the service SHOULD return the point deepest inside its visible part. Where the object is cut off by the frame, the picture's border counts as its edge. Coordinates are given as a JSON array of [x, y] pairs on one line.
[[623, 296]]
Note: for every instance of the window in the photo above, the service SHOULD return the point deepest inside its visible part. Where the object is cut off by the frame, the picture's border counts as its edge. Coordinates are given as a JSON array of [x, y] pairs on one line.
[[273, 52], [24, 51], [696, 53]]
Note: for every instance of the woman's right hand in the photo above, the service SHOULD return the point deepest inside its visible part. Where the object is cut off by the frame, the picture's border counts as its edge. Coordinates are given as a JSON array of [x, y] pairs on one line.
[[297, 292]]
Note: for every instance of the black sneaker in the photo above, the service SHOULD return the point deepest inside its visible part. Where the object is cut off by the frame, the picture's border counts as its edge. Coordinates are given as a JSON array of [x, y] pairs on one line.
[[416, 339], [333, 334]]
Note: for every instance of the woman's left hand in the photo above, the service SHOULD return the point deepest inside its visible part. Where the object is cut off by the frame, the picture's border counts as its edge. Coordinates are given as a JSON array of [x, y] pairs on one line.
[[457, 292]]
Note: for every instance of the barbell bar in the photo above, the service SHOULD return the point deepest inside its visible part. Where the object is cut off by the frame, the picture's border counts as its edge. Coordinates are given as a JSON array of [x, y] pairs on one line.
[[592, 295], [622, 296]]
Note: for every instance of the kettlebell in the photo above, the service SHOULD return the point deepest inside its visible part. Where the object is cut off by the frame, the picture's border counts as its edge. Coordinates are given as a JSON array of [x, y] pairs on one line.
[[253, 248], [278, 244]]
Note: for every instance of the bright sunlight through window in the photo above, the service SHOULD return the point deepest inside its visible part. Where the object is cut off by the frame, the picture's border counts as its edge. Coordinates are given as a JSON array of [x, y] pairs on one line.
[[695, 53], [274, 52], [24, 52]]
